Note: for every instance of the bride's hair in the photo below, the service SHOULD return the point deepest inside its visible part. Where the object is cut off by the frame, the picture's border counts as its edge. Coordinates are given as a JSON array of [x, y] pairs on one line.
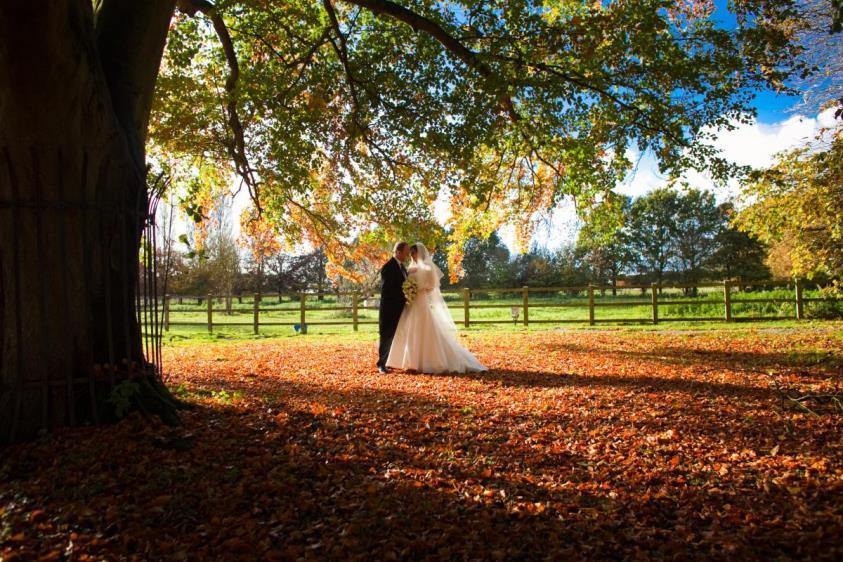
[[414, 249]]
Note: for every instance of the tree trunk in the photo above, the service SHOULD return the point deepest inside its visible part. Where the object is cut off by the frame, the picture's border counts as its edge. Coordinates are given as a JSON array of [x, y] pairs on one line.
[[319, 287], [72, 204], [691, 276]]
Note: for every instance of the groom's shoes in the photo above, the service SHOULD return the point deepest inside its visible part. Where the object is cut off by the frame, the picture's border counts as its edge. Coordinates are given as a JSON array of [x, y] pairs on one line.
[[383, 370]]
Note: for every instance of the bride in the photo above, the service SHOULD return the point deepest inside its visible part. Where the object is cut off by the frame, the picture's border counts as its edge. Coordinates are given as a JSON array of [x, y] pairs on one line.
[[426, 337]]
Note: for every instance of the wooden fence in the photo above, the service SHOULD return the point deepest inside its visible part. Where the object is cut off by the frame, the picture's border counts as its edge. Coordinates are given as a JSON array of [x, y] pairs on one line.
[[464, 304]]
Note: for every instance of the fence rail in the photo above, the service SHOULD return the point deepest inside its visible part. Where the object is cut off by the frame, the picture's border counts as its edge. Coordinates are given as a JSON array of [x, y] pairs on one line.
[[461, 300]]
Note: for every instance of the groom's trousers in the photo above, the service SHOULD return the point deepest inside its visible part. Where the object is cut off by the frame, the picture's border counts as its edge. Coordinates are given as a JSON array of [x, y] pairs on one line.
[[388, 317]]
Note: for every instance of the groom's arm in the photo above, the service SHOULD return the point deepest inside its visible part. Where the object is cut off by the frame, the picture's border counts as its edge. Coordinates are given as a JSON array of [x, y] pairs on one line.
[[387, 275], [393, 279]]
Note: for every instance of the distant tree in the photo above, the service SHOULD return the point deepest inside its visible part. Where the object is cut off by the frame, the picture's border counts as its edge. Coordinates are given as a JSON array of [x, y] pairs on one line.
[[185, 277], [541, 267], [698, 223], [570, 271], [537, 268], [313, 271], [737, 254], [284, 272], [260, 238], [603, 243], [518, 270], [440, 258], [485, 262], [652, 229], [219, 250]]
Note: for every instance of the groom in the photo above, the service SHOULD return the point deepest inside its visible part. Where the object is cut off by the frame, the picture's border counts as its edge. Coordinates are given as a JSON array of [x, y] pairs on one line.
[[393, 274]]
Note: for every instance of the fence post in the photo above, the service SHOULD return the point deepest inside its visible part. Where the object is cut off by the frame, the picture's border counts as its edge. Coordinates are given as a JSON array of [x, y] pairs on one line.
[[210, 313], [526, 297], [166, 313], [727, 299], [655, 297], [466, 297], [301, 313], [591, 305], [354, 314], [257, 311], [800, 305]]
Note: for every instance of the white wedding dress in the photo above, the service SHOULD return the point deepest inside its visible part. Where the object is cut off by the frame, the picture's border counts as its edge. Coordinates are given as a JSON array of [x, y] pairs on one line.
[[426, 337]]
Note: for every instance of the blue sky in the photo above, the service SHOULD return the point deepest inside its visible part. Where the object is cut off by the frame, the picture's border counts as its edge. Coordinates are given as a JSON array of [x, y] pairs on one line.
[[773, 107]]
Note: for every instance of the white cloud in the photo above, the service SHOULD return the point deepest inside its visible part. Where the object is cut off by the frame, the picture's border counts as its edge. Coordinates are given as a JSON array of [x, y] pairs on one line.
[[826, 118], [644, 177], [756, 144]]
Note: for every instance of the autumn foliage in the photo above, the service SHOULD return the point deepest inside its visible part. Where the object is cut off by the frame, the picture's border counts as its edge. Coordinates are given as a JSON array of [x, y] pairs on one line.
[[601, 444]]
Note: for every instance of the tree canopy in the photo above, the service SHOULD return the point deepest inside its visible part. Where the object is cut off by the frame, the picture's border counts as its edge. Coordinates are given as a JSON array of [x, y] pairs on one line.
[[346, 120]]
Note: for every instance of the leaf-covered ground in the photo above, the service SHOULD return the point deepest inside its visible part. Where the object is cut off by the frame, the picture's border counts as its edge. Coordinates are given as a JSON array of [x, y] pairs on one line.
[[602, 444]]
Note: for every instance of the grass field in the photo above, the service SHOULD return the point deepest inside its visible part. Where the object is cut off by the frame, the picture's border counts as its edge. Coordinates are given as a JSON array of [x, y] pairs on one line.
[[188, 319]]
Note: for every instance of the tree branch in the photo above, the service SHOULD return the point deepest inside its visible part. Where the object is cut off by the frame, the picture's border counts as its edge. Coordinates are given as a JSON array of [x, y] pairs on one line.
[[237, 145], [463, 53], [467, 56], [472, 60], [342, 53], [302, 60]]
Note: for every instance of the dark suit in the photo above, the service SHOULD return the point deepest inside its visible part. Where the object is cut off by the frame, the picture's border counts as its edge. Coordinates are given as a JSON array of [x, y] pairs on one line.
[[393, 275]]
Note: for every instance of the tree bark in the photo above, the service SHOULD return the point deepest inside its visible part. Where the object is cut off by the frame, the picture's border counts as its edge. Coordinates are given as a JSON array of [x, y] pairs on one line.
[[74, 103]]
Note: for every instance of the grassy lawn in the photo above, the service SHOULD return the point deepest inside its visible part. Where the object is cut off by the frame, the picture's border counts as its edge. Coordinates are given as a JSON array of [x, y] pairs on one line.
[[547, 311], [544, 307]]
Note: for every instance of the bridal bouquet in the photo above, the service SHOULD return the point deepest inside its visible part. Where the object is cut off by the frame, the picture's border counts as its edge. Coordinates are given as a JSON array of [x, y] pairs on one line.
[[411, 289]]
